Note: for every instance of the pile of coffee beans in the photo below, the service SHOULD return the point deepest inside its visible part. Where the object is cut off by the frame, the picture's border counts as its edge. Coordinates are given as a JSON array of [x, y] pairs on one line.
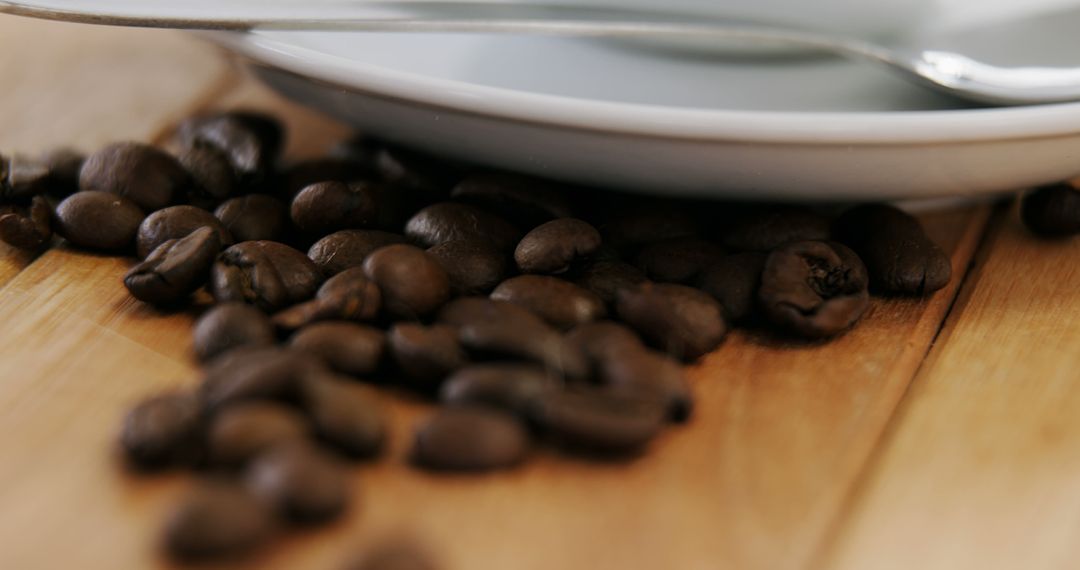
[[534, 313]]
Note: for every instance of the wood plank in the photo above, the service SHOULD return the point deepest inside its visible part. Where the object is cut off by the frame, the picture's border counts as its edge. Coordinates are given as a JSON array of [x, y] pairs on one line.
[[980, 468]]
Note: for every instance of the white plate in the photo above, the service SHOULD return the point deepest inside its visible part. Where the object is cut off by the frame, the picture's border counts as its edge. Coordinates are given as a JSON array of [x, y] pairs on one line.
[[606, 114]]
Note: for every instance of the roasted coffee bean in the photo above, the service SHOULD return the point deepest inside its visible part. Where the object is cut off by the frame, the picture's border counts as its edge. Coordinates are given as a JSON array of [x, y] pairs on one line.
[[303, 174], [598, 420], [212, 175], [679, 320], [507, 386], [217, 520], [645, 222], [346, 415], [447, 221], [474, 267], [176, 222], [899, 256], [733, 280], [175, 269], [99, 220], [22, 178], [347, 296], [523, 200], [256, 373], [251, 140], [677, 260], [27, 228], [651, 375], [558, 302], [64, 165], [326, 207], [470, 439], [1052, 211], [601, 340], [254, 217], [605, 278], [163, 431], [426, 353], [239, 433], [301, 482], [813, 289], [551, 247], [349, 348], [413, 284], [358, 149], [418, 173], [267, 274], [398, 554], [765, 228], [228, 326], [149, 177], [349, 248]]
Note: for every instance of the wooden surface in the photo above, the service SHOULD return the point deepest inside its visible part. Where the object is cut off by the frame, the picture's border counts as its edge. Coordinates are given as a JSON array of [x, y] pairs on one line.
[[942, 433]]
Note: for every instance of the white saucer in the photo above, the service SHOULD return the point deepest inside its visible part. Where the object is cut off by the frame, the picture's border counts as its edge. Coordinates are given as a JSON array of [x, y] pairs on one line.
[[606, 114]]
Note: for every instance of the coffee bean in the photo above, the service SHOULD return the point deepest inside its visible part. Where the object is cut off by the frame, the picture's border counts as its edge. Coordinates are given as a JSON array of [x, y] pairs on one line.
[[649, 375], [228, 326], [255, 373], [301, 482], [678, 260], [601, 340], [349, 348], [733, 280], [251, 140], [813, 289], [474, 267], [1052, 211], [305, 173], [679, 320], [176, 222], [217, 520], [899, 256], [447, 221], [419, 173], [551, 247], [507, 386], [267, 274], [605, 278], [348, 296], [597, 420], [22, 178], [399, 554], [426, 353], [150, 178], [98, 220], [27, 228], [326, 207], [64, 165], [413, 284], [358, 149], [523, 200], [239, 433], [640, 223], [558, 302], [346, 415], [212, 175], [349, 248], [766, 228], [163, 431], [470, 439], [254, 217], [175, 269]]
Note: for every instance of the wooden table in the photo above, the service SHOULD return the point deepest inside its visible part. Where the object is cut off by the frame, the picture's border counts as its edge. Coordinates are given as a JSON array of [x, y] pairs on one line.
[[942, 433]]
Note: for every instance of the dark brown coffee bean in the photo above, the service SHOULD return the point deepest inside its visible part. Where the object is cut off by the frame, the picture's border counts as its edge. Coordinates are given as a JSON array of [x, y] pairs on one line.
[[813, 289], [346, 415], [551, 247], [402, 553], [677, 261], [326, 207], [1052, 211], [163, 431], [217, 520], [605, 278], [603, 339], [256, 373], [899, 256], [228, 326], [598, 420], [558, 302], [175, 269], [765, 228], [523, 200], [239, 433], [474, 267], [413, 284], [426, 353], [642, 223], [447, 221], [212, 175], [649, 375], [303, 174], [99, 220], [64, 165], [22, 178], [347, 296], [416, 172], [470, 439], [349, 248], [733, 280], [251, 140], [267, 274], [679, 320], [358, 148], [503, 385], [301, 482], [149, 177], [27, 228], [254, 217], [349, 348], [176, 222]]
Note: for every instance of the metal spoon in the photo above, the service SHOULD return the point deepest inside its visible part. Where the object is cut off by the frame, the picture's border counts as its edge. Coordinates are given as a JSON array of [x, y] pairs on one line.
[[950, 73]]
